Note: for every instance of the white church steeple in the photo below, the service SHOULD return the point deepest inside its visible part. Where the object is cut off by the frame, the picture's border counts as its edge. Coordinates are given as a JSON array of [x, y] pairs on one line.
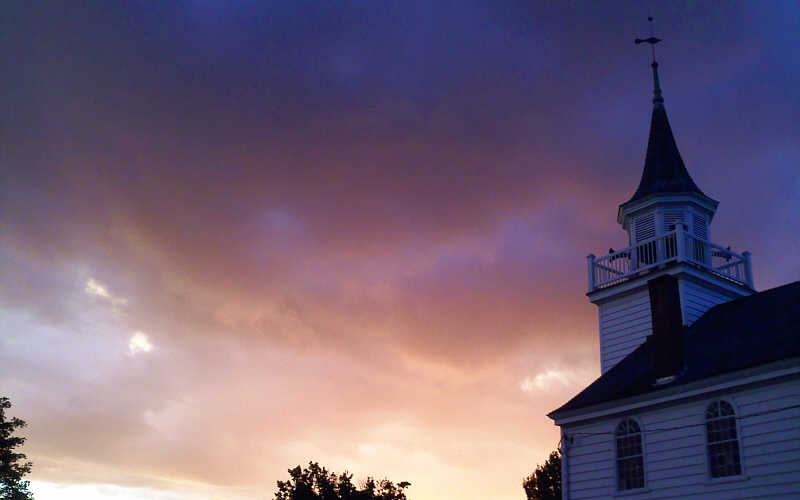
[[667, 220]]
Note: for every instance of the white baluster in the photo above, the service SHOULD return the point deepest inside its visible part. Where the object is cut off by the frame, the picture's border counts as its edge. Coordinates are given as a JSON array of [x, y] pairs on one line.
[[748, 270], [680, 242]]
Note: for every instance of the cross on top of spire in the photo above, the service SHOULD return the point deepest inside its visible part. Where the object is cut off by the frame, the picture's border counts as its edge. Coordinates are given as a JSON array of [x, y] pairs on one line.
[[658, 100]]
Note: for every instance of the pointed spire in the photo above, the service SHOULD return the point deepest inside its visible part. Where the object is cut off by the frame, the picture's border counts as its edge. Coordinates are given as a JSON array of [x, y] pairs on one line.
[[664, 171], [658, 99]]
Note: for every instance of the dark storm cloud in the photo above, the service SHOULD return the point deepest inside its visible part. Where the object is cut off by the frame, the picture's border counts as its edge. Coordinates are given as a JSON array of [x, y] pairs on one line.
[[378, 208]]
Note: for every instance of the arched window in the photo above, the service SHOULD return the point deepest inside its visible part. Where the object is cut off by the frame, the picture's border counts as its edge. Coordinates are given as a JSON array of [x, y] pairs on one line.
[[630, 463], [723, 443]]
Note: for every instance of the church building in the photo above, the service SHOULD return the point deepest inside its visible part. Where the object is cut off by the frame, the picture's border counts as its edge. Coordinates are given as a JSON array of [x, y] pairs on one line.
[[699, 393]]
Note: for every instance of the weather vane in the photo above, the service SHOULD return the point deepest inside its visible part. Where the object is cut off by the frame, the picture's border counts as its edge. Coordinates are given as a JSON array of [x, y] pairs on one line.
[[652, 40], [658, 100]]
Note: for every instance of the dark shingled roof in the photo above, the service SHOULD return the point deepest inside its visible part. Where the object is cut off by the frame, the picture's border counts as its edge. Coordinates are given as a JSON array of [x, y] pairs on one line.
[[664, 171], [746, 332]]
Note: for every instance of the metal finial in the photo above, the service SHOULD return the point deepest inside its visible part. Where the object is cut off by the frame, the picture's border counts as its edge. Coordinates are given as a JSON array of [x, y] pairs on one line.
[[658, 100]]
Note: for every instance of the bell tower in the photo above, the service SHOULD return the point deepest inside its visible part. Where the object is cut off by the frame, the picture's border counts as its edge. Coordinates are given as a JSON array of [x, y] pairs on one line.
[[667, 220]]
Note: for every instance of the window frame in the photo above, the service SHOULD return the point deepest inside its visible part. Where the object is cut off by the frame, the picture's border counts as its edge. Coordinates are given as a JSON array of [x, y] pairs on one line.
[[617, 457], [709, 471]]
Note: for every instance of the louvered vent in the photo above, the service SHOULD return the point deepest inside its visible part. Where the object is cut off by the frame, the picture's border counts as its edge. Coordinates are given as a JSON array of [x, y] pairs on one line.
[[700, 229], [645, 227], [672, 218]]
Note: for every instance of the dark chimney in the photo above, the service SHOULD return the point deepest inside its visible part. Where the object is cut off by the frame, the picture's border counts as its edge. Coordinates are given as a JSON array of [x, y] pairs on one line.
[[665, 306]]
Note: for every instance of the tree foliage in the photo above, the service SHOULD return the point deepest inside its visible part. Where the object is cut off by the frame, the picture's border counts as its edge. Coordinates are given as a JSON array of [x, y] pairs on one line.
[[545, 482], [317, 483], [13, 466]]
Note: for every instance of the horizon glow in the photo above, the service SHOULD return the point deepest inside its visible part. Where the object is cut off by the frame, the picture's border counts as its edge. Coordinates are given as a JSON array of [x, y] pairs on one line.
[[237, 238]]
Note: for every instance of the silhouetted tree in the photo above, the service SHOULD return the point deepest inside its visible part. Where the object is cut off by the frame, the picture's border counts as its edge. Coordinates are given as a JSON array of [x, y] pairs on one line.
[[12, 465], [316, 483], [545, 482]]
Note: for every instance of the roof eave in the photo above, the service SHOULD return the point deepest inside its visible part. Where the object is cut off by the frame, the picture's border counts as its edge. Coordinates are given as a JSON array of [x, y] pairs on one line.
[[677, 391], [633, 205]]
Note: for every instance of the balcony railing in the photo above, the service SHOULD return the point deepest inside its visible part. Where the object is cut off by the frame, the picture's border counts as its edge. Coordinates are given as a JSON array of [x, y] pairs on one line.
[[675, 246]]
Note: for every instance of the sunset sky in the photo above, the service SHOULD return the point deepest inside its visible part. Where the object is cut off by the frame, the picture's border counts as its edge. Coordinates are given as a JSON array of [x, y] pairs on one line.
[[239, 236]]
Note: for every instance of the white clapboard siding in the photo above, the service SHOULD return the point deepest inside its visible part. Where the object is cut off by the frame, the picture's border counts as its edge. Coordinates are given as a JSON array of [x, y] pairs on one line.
[[697, 299], [626, 320], [675, 454], [625, 323]]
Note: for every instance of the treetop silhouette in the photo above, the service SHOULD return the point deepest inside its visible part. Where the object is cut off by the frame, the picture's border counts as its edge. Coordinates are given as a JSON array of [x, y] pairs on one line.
[[13, 466], [317, 483]]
